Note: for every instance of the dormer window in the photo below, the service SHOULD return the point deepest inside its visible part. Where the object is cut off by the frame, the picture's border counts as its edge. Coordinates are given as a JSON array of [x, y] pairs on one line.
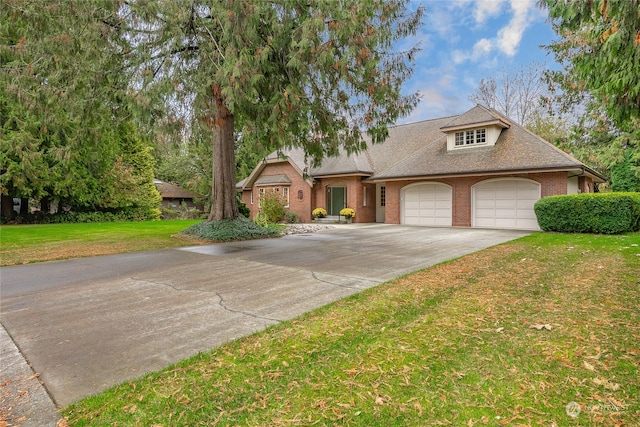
[[471, 137]]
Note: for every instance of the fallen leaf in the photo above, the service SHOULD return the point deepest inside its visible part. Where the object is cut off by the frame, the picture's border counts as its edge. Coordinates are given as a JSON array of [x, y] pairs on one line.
[[500, 330], [606, 384], [589, 366], [541, 327]]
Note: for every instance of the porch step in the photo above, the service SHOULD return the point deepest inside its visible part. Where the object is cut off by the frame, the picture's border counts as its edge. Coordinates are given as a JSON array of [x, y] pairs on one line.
[[331, 219]]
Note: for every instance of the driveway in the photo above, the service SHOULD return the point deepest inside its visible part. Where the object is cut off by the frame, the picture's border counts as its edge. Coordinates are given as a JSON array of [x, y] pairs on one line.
[[88, 324]]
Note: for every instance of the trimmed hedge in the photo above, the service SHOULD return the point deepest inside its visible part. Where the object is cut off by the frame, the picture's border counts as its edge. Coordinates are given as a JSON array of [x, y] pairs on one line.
[[128, 214], [602, 213]]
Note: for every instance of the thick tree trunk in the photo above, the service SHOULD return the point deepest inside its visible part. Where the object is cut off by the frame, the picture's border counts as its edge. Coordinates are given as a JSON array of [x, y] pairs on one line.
[[223, 192], [24, 207], [6, 208]]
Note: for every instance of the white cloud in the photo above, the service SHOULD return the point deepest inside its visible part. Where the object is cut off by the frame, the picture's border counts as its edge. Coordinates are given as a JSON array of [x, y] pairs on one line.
[[482, 48], [509, 37], [486, 9]]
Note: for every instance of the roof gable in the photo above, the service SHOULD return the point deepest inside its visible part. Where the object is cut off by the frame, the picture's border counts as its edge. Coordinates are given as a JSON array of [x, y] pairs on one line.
[[476, 117]]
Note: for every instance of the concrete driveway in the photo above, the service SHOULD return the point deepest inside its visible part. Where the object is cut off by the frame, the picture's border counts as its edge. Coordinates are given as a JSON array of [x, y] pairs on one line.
[[91, 323]]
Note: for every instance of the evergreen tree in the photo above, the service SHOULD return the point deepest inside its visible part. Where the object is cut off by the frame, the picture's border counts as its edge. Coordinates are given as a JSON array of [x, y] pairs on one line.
[[316, 75], [599, 47], [63, 95]]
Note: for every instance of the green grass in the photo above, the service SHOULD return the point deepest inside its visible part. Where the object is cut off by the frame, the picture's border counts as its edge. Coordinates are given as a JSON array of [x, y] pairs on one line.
[[31, 243], [450, 345]]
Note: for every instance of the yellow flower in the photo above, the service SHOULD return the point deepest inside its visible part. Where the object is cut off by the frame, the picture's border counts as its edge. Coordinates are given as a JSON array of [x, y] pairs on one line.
[[319, 213], [348, 213]]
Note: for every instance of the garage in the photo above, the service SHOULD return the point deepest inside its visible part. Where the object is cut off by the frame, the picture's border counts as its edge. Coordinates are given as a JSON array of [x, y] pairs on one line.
[[505, 203], [427, 204]]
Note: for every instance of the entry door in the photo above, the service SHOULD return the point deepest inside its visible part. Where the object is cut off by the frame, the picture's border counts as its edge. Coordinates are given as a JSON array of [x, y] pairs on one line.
[[337, 198]]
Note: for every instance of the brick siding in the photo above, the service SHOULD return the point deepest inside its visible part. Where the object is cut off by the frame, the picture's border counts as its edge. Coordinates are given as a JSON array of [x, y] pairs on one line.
[[551, 183]]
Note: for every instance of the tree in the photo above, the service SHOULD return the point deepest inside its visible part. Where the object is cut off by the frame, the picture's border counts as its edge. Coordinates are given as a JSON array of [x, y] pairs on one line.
[[64, 96], [599, 50], [515, 94], [599, 47], [316, 75]]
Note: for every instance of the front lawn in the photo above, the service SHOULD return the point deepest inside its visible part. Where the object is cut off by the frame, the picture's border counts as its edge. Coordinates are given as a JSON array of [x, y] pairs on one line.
[[22, 244], [544, 331]]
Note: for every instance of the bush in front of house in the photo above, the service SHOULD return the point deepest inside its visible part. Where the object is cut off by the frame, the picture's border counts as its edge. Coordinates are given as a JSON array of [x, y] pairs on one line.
[[602, 213], [229, 230], [291, 218], [272, 207]]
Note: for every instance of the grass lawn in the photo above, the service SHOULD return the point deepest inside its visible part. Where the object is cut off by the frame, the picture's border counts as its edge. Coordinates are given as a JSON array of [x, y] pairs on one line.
[[22, 244], [542, 331]]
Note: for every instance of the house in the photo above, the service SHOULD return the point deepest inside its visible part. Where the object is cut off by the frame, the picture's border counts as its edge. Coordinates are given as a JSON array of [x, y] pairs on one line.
[[174, 197], [478, 169]]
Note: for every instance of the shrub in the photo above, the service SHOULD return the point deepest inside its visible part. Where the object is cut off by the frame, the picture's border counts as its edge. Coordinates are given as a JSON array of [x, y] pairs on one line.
[[272, 205], [125, 214], [291, 218], [229, 230], [605, 213]]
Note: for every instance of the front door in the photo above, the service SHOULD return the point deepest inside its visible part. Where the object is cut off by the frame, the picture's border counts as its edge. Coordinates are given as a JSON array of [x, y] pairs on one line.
[[337, 200]]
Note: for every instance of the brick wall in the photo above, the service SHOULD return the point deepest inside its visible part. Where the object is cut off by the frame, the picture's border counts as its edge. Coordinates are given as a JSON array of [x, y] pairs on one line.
[[551, 183], [300, 206], [355, 196]]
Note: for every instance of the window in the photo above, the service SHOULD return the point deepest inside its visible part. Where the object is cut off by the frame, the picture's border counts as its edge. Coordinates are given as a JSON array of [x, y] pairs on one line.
[[383, 196], [459, 139], [364, 196], [285, 196], [300, 194], [470, 137]]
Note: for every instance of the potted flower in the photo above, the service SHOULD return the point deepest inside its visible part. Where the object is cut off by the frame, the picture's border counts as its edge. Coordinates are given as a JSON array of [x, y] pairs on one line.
[[348, 213], [319, 213]]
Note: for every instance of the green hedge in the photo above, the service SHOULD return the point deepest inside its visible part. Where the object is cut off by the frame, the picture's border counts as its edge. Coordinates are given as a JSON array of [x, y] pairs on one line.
[[127, 214], [603, 213]]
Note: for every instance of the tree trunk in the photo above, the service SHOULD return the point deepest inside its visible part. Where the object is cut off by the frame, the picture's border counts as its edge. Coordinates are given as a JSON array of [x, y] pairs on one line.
[[6, 208], [24, 206], [223, 192]]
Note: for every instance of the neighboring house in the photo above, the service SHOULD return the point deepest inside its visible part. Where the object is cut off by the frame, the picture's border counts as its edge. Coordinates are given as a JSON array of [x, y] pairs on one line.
[[478, 169], [174, 196]]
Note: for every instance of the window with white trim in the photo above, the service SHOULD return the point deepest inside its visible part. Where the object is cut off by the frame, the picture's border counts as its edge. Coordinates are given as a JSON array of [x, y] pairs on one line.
[[383, 196], [470, 137], [364, 196], [285, 196]]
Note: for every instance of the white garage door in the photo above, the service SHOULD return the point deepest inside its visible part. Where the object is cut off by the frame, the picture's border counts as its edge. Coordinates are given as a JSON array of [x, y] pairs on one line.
[[427, 204], [506, 203]]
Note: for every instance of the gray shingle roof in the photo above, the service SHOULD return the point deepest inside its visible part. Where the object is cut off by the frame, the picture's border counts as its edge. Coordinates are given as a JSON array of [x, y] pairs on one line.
[[516, 149], [273, 180], [420, 150]]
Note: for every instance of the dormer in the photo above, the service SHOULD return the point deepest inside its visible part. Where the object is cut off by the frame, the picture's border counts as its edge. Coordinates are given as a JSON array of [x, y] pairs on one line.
[[478, 127]]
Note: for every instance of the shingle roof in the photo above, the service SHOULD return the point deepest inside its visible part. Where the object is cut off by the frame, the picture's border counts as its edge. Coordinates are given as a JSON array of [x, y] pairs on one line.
[[516, 149], [420, 150], [171, 191], [273, 180]]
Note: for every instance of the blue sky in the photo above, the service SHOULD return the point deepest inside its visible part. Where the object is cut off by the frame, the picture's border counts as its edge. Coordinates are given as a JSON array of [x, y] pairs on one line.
[[464, 41]]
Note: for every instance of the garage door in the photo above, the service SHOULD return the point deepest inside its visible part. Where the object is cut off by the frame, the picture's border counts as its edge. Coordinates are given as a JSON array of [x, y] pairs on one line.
[[427, 204], [506, 203]]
